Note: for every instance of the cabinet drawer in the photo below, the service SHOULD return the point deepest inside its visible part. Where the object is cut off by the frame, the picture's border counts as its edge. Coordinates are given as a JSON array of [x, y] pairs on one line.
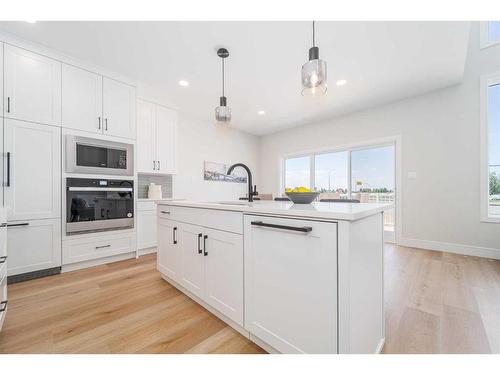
[[229, 221], [83, 249]]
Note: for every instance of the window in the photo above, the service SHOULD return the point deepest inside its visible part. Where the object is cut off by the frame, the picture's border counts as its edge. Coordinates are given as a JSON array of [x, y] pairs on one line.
[[490, 33], [490, 126], [331, 172], [298, 172], [366, 174]]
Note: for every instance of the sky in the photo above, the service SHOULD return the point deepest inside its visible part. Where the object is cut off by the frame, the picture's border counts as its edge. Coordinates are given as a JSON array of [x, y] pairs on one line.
[[494, 125], [374, 168]]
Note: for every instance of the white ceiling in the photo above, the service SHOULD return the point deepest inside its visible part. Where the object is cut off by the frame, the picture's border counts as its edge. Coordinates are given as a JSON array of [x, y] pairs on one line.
[[381, 61]]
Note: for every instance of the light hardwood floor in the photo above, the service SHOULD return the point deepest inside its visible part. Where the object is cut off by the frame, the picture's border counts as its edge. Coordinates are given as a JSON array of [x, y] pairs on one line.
[[435, 303]]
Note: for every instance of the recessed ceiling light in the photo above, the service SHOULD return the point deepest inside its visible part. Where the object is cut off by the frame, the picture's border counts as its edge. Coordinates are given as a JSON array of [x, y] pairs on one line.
[[261, 112], [341, 82], [183, 83]]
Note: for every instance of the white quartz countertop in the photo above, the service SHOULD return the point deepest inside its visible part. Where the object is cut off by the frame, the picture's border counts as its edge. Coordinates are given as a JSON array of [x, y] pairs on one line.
[[316, 210]]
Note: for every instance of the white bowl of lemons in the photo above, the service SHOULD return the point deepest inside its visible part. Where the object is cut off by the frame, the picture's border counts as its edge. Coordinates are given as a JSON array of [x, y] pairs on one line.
[[301, 195]]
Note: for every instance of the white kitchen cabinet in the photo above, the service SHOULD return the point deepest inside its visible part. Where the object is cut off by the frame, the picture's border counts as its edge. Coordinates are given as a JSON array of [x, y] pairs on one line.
[[81, 99], [156, 139], [87, 248], [33, 245], [146, 141], [118, 109], [166, 140], [190, 238], [224, 272], [291, 284], [169, 258], [1, 77], [33, 173], [147, 228], [32, 86]]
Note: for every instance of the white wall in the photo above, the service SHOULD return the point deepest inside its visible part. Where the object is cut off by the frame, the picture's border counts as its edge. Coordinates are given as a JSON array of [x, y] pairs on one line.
[[199, 141], [440, 141]]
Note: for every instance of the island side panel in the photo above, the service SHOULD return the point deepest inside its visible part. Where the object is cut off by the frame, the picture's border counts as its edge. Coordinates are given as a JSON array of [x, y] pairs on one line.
[[361, 289]]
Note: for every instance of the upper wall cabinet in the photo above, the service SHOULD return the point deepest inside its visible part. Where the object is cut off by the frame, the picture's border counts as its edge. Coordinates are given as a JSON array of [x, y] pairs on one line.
[[97, 104], [156, 139], [82, 99], [32, 87], [118, 109]]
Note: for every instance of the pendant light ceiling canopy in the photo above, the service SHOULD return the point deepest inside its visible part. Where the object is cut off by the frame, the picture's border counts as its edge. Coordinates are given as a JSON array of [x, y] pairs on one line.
[[223, 112], [314, 71]]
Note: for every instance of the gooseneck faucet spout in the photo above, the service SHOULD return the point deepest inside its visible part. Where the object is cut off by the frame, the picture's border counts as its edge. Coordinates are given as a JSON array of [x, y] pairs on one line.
[[249, 173]]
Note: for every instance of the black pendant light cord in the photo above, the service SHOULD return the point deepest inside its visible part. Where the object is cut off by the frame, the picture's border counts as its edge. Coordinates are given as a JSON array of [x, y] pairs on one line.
[[222, 77]]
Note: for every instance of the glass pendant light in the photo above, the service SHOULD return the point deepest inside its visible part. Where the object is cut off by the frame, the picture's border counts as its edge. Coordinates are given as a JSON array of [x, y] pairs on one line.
[[223, 112], [314, 72]]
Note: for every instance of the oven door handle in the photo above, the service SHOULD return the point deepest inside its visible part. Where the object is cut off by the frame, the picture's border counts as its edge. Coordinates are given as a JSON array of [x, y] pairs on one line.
[[98, 189]]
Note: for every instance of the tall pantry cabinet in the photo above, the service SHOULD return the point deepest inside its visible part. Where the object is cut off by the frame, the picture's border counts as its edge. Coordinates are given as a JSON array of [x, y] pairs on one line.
[[31, 119]]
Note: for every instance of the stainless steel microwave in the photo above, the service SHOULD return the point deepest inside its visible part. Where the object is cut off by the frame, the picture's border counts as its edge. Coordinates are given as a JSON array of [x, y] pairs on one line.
[[97, 156]]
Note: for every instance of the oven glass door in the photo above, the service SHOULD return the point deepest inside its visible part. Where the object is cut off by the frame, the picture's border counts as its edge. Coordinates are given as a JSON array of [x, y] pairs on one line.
[[94, 209], [100, 157]]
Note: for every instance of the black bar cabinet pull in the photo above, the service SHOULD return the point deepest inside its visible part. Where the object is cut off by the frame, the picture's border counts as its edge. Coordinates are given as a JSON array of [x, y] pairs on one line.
[[8, 169], [8, 104], [205, 252], [286, 227], [18, 225], [165, 212], [174, 236], [3, 259], [102, 247], [154, 165], [106, 122], [99, 122], [159, 168], [4, 307], [199, 243]]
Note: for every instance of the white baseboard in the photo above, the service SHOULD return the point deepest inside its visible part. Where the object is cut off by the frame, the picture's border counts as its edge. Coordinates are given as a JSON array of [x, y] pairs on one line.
[[477, 251], [97, 262], [149, 250]]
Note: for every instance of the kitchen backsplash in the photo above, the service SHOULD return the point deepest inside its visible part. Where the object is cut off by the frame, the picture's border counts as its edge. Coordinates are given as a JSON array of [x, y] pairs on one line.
[[144, 180]]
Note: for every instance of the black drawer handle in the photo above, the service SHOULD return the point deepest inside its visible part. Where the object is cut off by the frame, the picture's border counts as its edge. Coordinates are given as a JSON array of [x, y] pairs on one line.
[[205, 252], [165, 212], [174, 235], [102, 247], [3, 259], [18, 225], [286, 227], [199, 242], [8, 170], [4, 307]]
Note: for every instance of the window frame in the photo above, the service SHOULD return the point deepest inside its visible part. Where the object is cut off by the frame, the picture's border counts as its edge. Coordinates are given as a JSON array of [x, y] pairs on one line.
[[485, 82], [484, 41]]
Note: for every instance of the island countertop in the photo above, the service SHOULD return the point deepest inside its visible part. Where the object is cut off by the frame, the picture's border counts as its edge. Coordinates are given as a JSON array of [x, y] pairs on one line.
[[317, 210]]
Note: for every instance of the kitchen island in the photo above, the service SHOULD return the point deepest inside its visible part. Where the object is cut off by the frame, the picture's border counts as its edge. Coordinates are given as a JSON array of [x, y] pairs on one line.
[[293, 278]]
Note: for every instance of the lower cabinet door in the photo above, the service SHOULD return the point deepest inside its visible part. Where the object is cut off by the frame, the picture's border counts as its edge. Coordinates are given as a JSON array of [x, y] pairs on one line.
[[291, 283], [33, 245], [223, 254], [169, 257], [3, 295], [190, 239], [146, 229]]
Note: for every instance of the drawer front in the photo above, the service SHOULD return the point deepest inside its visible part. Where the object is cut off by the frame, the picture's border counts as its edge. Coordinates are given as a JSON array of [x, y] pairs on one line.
[[229, 221], [80, 250], [291, 283], [146, 206]]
